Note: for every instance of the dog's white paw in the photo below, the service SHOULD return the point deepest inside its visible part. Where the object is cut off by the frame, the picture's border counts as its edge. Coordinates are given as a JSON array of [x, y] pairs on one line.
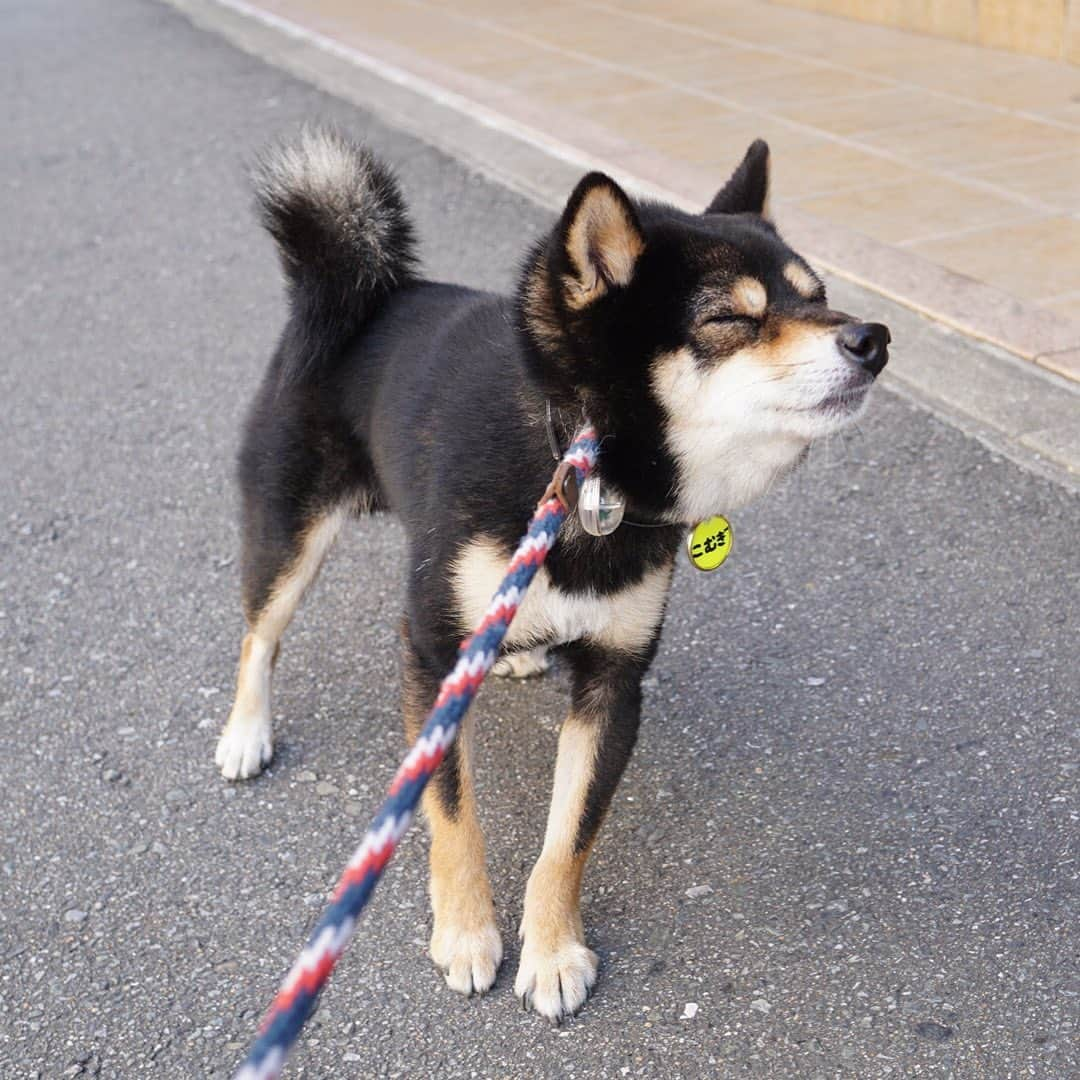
[[469, 958], [244, 748], [522, 665], [555, 982]]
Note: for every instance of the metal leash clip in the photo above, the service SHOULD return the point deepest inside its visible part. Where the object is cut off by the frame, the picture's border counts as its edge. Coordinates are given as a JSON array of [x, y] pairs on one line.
[[563, 486]]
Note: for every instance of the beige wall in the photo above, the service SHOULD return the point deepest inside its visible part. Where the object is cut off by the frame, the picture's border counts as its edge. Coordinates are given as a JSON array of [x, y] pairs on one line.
[[1040, 27]]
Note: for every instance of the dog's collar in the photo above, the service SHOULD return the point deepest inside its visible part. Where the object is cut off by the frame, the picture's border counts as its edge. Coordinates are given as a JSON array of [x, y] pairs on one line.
[[556, 452], [553, 438], [708, 543]]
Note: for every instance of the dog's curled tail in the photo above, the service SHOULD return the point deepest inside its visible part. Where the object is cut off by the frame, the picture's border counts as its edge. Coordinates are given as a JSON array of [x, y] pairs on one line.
[[344, 238]]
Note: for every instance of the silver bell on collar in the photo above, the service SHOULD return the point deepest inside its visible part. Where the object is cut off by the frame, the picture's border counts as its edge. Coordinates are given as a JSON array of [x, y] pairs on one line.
[[600, 508]]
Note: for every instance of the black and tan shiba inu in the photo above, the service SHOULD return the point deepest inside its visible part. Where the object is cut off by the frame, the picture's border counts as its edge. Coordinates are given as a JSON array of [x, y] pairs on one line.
[[699, 345]]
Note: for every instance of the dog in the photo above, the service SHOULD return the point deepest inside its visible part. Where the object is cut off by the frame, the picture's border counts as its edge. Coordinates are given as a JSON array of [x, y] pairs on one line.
[[701, 348]]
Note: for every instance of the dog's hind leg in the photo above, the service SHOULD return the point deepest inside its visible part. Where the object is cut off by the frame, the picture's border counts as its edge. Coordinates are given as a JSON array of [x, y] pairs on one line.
[[465, 941], [283, 550], [301, 472]]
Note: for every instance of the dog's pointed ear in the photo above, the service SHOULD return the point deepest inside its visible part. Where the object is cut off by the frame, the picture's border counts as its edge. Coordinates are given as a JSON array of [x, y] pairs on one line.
[[601, 240], [747, 192]]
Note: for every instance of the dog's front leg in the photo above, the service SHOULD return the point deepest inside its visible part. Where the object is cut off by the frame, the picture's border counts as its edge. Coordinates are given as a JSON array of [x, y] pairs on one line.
[[557, 969], [465, 941]]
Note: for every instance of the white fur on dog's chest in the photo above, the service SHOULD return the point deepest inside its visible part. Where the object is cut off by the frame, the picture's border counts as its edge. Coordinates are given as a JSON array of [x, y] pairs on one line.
[[624, 620]]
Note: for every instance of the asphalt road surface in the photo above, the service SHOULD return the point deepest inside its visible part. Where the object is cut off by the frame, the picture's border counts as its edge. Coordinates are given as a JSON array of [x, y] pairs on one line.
[[848, 836]]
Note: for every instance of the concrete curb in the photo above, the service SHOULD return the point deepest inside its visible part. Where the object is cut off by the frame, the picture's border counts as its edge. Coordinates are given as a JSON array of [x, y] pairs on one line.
[[1025, 411]]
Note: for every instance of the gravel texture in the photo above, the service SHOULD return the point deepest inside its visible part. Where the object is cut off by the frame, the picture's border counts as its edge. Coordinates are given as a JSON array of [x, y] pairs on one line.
[[847, 845]]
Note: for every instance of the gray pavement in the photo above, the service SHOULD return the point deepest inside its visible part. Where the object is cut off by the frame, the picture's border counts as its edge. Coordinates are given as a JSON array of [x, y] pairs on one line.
[[860, 736]]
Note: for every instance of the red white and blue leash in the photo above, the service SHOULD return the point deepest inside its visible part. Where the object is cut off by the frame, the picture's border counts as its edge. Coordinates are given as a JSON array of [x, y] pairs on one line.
[[296, 999]]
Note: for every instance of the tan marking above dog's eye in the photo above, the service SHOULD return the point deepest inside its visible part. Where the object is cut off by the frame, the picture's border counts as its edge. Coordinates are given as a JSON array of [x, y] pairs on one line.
[[748, 297], [805, 283]]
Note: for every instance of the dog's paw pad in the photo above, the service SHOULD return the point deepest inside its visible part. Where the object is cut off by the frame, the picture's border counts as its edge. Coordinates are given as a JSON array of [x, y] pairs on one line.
[[556, 983], [522, 665], [469, 959], [243, 750]]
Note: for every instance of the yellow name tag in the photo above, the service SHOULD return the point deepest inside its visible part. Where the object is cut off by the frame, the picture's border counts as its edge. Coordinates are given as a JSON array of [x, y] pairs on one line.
[[709, 543]]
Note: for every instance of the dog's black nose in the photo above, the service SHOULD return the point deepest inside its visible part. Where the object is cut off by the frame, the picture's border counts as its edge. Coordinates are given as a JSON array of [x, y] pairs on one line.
[[867, 343]]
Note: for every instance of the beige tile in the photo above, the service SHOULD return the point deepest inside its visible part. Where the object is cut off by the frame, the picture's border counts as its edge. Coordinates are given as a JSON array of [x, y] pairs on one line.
[[1031, 260], [802, 83], [477, 53], [769, 26], [716, 67], [818, 168], [979, 141], [582, 87], [1012, 81], [516, 69], [899, 54], [632, 42], [605, 35], [1053, 180], [504, 11], [877, 111], [521, 16], [456, 43], [662, 118], [683, 11], [717, 139], [1067, 113], [920, 207], [682, 121], [1034, 86]]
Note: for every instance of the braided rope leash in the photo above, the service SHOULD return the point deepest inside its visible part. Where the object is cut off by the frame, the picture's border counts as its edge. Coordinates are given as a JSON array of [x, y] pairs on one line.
[[296, 999]]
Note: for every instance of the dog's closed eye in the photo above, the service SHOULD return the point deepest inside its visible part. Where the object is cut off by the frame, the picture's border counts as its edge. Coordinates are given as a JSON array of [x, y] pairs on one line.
[[730, 318]]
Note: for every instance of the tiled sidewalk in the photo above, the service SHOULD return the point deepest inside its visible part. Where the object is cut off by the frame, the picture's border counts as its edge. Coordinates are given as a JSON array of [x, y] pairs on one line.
[[951, 162]]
